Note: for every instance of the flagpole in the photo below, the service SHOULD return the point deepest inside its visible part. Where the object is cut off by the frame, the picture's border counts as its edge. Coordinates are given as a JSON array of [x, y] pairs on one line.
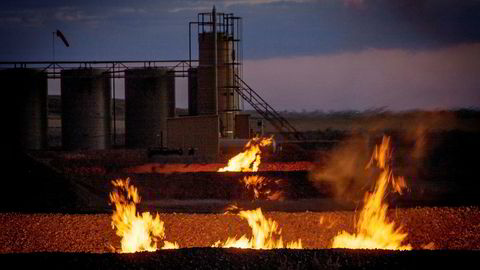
[[53, 46], [53, 51]]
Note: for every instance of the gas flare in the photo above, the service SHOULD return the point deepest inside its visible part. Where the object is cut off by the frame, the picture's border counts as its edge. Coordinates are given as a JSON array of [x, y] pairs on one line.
[[265, 234], [373, 230], [138, 232], [249, 159], [254, 182], [260, 190]]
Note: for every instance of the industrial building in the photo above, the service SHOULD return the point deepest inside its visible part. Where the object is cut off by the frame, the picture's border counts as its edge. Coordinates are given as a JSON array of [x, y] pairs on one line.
[[216, 94]]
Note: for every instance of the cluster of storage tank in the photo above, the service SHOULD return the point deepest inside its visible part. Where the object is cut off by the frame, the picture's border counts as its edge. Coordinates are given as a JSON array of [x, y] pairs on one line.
[[86, 107]]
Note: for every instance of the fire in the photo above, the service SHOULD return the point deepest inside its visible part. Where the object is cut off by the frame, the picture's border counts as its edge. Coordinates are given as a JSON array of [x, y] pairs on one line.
[[373, 230], [254, 182], [259, 186], [138, 232], [265, 234], [249, 159]]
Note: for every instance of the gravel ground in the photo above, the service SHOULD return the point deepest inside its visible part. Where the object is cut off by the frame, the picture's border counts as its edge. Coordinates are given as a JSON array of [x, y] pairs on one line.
[[213, 167], [447, 227]]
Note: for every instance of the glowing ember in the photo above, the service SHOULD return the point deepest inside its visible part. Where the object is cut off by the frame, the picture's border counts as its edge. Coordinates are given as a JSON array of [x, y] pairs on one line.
[[138, 232], [249, 159], [265, 234], [373, 230]]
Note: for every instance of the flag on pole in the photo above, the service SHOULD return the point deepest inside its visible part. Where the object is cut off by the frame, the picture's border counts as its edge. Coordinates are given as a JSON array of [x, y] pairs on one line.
[[62, 37]]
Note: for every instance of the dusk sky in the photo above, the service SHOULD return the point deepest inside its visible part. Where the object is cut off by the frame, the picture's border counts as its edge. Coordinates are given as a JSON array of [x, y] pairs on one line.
[[299, 54]]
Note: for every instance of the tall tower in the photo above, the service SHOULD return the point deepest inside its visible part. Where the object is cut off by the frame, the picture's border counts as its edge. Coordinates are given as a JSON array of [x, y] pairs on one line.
[[219, 64]]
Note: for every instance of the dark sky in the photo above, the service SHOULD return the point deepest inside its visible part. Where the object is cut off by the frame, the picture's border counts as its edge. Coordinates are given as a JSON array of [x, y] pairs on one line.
[[299, 54]]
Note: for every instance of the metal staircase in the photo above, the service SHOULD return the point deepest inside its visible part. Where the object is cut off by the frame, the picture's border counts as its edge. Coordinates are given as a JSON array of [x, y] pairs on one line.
[[265, 110]]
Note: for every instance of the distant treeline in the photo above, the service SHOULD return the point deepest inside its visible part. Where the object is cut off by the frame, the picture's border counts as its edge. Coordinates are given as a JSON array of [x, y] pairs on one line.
[[54, 107], [461, 113]]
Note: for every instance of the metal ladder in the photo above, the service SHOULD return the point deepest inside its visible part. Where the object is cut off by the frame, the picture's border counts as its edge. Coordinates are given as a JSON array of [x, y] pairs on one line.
[[265, 110]]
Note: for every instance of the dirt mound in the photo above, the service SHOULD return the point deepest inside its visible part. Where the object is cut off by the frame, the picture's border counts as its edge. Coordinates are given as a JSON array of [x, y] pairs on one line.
[[31, 186]]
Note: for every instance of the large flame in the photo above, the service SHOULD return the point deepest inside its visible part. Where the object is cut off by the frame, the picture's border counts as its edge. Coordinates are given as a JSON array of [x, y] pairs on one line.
[[265, 234], [249, 159], [373, 230], [138, 232]]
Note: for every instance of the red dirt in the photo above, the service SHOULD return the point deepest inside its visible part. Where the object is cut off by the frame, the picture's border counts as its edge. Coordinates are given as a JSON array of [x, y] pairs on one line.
[[213, 167]]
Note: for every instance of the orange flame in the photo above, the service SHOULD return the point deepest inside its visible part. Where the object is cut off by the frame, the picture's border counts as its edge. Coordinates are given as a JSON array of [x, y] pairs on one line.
[[254, 182], [258, 185], [373, 230], [138, 232], [265, 234], [249, 159]]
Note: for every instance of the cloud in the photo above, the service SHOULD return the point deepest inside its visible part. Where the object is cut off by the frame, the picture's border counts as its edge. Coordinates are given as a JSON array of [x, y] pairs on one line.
[[131, 10], [207, 5], [40, 16], [396, 78], [261, 2], [354, 3], [31, 18], [73, 14]]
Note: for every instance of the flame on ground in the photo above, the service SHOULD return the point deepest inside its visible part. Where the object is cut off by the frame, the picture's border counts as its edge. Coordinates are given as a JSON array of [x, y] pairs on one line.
[[265, 234], [255, 183], [138, 232], [260, 191], [249, 159], [373, 230]]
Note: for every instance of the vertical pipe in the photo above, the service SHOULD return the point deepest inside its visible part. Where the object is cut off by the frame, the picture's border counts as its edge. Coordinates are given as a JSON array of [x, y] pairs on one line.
[[53, 51], [114, 109], [190, 44], [53, 46], [215, 57]]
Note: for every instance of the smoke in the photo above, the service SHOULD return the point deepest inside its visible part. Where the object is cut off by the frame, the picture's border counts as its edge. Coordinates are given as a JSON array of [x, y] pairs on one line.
[[344, 169]]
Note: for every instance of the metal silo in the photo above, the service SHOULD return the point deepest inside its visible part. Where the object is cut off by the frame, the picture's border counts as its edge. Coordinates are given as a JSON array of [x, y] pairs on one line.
[[223, 102], [86, 113], [149, 100], [26, 90]]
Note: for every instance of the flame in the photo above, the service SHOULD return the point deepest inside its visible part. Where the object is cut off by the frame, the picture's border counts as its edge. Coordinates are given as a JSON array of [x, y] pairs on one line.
[[249, 159], [260, 191], [232, 208], [265, 234], [138, 232], [254, 182], [373, 230]]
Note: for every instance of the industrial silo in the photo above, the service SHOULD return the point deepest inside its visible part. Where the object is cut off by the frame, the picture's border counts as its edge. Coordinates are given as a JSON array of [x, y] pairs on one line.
[[224, 102], [86, 113], [149, 101], [25, 90]]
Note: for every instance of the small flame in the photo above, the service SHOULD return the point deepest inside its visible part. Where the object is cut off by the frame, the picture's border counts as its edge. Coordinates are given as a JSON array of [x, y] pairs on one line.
[[254, 182], [265, 234], [232, 208], [138, 232], [170, 245], [373, 230], [260, 191], [249, 159]]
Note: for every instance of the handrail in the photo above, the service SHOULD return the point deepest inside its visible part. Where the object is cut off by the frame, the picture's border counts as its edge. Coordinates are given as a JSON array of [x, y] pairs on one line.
[[264, 109]]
